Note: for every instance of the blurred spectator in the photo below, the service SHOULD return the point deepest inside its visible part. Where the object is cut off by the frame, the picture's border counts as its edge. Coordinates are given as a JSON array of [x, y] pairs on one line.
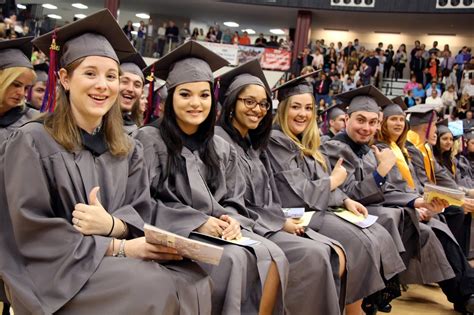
[[318, 60], [140, 40], [410, 85], [218, 33], [365, 73], [211, 35], [244, 39], [195, 33], [336, 84], [348, 85], [415, 49], [373, 63], [400, 60], [273, 42], [417, 65], [236, 38], [389, 54], [260, 41], [468, 122], [160, 45], [128, 29], [433, 86], [322, 89], [201, 35], [356, 44], [172, 36], [435, 49], [435, 100], [410, 99], [450, 98], [419, 92], [433, 65], [469, 87], [448, 61], [349, 49], [226, 37], [185, 32]]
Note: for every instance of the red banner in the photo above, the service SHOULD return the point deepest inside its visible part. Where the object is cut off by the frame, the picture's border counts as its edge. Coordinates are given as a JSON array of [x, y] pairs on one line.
[[276, 59]]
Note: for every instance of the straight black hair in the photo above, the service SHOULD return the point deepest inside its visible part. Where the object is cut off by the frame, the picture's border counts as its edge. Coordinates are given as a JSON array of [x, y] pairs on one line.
[[172, 135]]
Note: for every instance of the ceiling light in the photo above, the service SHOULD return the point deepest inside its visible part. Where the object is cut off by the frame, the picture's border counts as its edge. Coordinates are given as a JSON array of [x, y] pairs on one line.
[[80, 6], [277, 31], [336, 29], [54, 16], [49, 6], [80, 16], [142, 16], [231, 24], [136, 24], [249, 31], [21, 6]]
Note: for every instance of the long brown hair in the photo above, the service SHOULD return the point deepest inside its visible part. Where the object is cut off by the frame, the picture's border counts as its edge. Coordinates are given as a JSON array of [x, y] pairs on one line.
[[62, 126], [383, 135]]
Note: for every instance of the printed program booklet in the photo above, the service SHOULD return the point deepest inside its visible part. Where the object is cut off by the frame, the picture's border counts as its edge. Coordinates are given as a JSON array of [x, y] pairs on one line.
[[192, 249], [454, 197]]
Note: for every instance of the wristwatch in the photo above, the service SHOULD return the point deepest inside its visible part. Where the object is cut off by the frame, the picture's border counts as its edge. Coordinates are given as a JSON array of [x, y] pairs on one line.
[[121, 251]]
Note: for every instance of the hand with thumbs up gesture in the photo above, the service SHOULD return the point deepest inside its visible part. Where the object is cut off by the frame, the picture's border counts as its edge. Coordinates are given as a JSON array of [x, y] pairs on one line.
[[92, 219], [338, 174], [386, 160]]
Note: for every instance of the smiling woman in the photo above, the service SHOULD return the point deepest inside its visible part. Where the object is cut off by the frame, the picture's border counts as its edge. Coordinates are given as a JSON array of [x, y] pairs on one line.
[[85, 250]]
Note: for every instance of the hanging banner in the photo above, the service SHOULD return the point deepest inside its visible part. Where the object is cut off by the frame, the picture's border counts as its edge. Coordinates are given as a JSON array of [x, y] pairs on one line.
[[276, 59], [226, 51]]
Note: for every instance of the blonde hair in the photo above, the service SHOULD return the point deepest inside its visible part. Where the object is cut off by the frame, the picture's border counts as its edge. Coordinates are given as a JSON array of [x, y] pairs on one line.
[[62, 126], [310, 142], [8, 76]]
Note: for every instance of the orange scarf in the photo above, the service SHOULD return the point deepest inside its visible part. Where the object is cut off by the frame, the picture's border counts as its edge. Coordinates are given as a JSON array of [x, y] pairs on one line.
[[402, 165], [425, 149]]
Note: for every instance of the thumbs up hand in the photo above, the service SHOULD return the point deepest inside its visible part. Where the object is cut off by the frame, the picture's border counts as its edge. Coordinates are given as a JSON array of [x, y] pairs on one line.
[[92, 219]]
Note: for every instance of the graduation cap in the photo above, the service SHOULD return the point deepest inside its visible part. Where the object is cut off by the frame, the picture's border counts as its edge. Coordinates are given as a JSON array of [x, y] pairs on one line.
[[190, 62], [396, 108], [248, 73], [41, 71], [16, 53], [331, 113], [469, 135], [296, 86], [367, 99], [421, 114], [442, 127], [134, 64], [96, 35]]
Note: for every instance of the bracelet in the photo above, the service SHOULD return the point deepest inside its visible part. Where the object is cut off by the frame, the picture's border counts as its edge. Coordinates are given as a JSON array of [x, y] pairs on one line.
[[113, 246], [113, 225], [124, 230], [121, 252]]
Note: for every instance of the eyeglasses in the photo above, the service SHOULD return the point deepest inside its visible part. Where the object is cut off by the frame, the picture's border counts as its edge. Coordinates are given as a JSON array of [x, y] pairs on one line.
[[250, 103]]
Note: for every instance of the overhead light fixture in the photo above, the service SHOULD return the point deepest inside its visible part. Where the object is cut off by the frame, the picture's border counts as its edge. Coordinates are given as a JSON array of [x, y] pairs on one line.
[[277, 31], [336, 29], [142, 16], [231, 24], [55, 16], [440, 34], [49, 6], [80, 16], [136, 24], [387, 32], [249, 31], [80, 6], [21, 6]]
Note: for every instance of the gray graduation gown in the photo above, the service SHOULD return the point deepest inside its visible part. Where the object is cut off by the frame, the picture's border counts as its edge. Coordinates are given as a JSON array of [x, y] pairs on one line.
[[431, 265], [360, 185], [27, 115], [7, 126], [466, 168], [302, 182], [63, 270], [319, 280], [184, 202]]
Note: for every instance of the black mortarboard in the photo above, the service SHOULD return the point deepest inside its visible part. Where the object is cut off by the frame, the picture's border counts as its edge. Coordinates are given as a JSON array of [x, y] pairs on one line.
[[367, 99], [134, 64], [41, 71], [296, 86], [96, 35], [249, 73], [190, 62], [16, 53], [396, 108], [421, 114]]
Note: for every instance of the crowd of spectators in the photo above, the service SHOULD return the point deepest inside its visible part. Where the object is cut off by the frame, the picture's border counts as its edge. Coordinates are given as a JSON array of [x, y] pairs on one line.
[[440, 77]]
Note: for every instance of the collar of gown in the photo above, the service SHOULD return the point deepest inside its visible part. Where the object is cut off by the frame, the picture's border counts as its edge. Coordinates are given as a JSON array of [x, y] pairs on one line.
[[12, 116], [359, 149], [94, 143]]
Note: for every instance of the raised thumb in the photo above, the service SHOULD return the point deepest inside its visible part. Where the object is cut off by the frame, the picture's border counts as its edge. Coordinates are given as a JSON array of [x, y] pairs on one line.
[[93, 200], [339, 162]]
